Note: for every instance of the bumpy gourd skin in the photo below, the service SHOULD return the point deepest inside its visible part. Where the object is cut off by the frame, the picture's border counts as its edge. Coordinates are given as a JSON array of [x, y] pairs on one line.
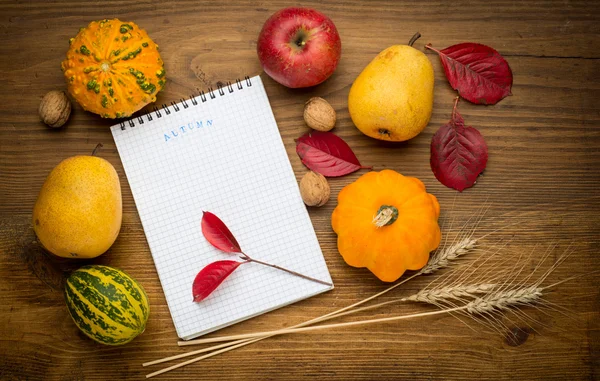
[[392, 99], [387, 251], [113, 68]]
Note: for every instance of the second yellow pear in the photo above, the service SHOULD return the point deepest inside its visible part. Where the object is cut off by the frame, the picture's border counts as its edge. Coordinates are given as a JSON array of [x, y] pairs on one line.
[[79, 208], [392, 98]]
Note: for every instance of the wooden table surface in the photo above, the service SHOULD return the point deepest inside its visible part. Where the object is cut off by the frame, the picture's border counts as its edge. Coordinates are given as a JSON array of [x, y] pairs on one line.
[[540, 187]]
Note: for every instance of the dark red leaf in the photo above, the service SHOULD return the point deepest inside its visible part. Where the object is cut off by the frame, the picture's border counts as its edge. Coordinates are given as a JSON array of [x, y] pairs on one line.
[[458, 153], [479, 73], [215, 232], [210, 277], [327, 154]]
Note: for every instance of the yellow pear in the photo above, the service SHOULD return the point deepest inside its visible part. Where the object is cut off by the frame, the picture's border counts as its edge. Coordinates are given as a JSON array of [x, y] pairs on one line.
[[79, 209], [392, 98]]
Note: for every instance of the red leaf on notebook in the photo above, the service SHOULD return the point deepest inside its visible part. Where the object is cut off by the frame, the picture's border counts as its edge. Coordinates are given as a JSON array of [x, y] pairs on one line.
[[218, 235], [327, 154], [479, 73], [210, 277]]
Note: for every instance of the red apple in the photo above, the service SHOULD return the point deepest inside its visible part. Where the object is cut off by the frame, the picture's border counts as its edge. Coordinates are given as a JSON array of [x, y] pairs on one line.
[[299, 47]]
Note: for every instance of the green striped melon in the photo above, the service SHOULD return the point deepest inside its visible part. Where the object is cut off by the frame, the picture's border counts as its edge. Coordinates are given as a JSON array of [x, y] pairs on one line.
[[106, 304]]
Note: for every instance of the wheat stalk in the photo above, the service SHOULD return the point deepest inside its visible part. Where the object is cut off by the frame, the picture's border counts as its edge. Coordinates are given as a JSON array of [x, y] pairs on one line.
[[487, 301], [493, 302], [496, 302], [442, 258]]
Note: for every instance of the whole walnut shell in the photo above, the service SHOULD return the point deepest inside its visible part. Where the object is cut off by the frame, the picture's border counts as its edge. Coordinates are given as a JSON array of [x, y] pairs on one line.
[[319, 115], [55, 108], [314, 189]]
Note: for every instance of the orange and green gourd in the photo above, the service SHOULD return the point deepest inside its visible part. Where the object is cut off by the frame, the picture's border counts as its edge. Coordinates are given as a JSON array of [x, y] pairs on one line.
[[386, 222], [113, 68]]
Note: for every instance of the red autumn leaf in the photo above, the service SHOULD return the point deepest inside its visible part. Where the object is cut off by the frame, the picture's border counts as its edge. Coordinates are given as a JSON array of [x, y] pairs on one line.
[[217, 234], [479, 73], [458, 153], [327, 154], [210, 277]]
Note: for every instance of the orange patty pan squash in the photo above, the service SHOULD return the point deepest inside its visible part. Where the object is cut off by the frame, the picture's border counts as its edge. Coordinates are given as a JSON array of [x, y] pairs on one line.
[[113, 68], [387, 223]]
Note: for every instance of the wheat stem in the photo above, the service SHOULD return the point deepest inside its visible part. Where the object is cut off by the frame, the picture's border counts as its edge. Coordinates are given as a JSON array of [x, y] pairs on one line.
[[497, 301], [259, 336], [250, 341], [329, 326]]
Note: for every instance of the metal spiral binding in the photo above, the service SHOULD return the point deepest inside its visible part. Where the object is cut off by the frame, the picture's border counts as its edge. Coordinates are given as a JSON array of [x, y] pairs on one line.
[[221, 90]]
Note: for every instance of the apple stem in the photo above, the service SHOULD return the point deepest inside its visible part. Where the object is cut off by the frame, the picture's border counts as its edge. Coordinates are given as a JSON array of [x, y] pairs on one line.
[[98, 146], [414, 38]]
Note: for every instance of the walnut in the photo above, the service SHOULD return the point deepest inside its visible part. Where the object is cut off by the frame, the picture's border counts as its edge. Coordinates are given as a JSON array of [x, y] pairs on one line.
[[319, 115], [55, 108], [314, 189]]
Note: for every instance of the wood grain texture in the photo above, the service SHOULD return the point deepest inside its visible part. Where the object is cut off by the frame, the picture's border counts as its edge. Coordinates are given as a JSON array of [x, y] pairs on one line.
[[542, 175]]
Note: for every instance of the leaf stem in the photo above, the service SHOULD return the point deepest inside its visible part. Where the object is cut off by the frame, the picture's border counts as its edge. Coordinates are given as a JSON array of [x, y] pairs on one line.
[[248, 259], [428, 46], [455, 105]]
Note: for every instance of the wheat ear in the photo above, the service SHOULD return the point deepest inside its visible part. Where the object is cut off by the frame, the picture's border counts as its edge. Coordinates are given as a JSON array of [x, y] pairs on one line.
[[444, 294], [443, 258], [503, 300]]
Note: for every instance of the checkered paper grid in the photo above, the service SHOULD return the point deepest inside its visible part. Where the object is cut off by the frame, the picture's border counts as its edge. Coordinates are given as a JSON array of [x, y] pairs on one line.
[[237, 168]]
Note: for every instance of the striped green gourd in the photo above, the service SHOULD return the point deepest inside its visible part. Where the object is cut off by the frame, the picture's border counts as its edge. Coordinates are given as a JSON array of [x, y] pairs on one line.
[[107, 304]]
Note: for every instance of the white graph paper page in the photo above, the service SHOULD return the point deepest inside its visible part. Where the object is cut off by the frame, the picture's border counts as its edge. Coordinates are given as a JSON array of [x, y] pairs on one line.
[[225, 156]]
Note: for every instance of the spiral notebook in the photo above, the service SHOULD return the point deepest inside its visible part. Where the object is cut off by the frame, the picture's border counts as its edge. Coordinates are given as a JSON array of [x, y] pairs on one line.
[[220, 151]]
